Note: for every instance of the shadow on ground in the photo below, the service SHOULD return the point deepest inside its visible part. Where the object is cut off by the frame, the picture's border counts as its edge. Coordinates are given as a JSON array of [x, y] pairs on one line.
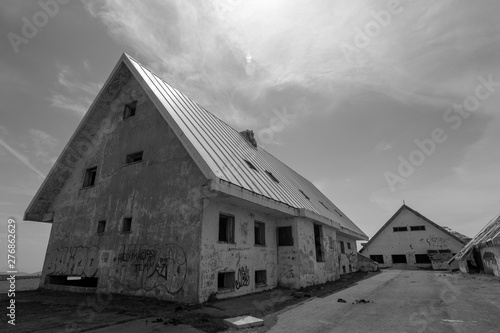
[[55, 311]]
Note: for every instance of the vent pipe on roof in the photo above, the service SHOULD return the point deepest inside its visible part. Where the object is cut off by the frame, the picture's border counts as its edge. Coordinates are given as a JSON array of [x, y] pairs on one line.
[[249, 136]]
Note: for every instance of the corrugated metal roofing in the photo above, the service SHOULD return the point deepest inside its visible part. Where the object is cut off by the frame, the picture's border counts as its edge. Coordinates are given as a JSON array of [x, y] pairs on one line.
[[226, 151], [490, 233]]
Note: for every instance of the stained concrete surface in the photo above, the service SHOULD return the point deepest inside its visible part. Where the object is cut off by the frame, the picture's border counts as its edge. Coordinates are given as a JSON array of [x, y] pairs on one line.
[[401, 301]]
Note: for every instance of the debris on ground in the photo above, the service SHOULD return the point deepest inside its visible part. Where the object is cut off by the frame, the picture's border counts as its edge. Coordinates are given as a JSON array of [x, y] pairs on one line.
[[158, 320], [362, 301], [340, 300], [172, 321]]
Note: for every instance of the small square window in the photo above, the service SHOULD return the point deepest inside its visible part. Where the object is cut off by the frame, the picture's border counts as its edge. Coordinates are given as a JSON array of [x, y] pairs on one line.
[[129, 110], [101, 227], [342, 247], [397, 229], [422, 259], [225, 281], [134, 158], [90, 176], [260, 278], [226, 228], [285, 236], [127, 224], [260, 233]]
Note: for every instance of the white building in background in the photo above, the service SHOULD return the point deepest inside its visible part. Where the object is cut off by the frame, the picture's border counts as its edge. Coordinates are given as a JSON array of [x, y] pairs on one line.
[[410, 240]]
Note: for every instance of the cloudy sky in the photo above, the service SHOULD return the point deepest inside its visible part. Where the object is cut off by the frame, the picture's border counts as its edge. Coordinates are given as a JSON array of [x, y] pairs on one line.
[[376, 101]]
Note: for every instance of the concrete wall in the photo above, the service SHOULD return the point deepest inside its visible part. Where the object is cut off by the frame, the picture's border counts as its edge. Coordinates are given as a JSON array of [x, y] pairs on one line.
[[365, 264], [311, 270], [160, 256], [490, 256], [409, 242], [242, 257], [349, 259]]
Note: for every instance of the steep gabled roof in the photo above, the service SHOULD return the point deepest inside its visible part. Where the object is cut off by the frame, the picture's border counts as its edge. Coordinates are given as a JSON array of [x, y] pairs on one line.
[[404, 206], [490, 234], [223, 154]]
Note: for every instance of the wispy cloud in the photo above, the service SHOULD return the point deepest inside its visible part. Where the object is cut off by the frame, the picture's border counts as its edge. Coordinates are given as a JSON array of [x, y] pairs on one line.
[[23, 159], [72, 92], [44, 145]]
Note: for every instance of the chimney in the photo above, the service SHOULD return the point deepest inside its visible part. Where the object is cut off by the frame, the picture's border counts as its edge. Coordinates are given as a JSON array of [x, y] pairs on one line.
[[249, 136]]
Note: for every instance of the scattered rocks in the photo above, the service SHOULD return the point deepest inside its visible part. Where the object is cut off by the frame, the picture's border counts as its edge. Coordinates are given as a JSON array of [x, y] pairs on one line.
[[362, 301], [340, 300]]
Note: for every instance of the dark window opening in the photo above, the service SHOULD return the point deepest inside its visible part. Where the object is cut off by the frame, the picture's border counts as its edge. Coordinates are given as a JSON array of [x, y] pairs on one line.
[[226, 228], [133, 158], [444, 251], [304, 195], [250, 165], [318, 237], [101, 227], [350, 268], [225, 281], [285, 236], [417, 227], [399, 259], [127, 224], [260, 233], [90, 176], [77, 281], [396, 229], [260, 277], [348, 245], [342, 247], [422, 259], [129, 110], [272, 176], [343, 269], [378, 258]]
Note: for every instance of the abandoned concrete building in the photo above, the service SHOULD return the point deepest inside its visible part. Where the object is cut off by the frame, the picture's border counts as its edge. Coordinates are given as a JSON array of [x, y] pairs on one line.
[[155, 196], [482, 253], [410, 240]]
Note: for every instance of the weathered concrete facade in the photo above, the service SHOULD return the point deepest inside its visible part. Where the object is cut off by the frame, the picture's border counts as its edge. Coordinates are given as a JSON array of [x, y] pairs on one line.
[[160, 255], [139, 204], [409, 240]]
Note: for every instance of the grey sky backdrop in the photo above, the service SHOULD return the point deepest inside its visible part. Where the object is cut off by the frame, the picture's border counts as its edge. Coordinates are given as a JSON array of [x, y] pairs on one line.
[[373, 101]]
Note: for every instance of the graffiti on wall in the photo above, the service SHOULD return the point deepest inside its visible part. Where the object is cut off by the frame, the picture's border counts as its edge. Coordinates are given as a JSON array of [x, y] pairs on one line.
[[243, 277], [74, 260], [153, 266], [437, 241]]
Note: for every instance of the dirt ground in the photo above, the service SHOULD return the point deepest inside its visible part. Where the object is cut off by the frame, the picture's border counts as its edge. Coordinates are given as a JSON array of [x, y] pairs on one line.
[[55, 311]]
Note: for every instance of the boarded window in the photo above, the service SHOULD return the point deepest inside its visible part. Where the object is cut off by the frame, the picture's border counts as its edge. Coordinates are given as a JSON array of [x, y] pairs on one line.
[[260, 277], [342, 247], [226, 228], [129, 110], [127, 224], [377, 257], [133, 158], [260, 233], [422, 259], [396, 229], [417, 227], [285, 237], [90, 176], [399, 259], [318, 242], [101, 227], [225, 281]]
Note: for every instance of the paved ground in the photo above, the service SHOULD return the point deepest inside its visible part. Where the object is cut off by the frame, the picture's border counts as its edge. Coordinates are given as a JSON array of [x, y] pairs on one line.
[[401, 301]]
